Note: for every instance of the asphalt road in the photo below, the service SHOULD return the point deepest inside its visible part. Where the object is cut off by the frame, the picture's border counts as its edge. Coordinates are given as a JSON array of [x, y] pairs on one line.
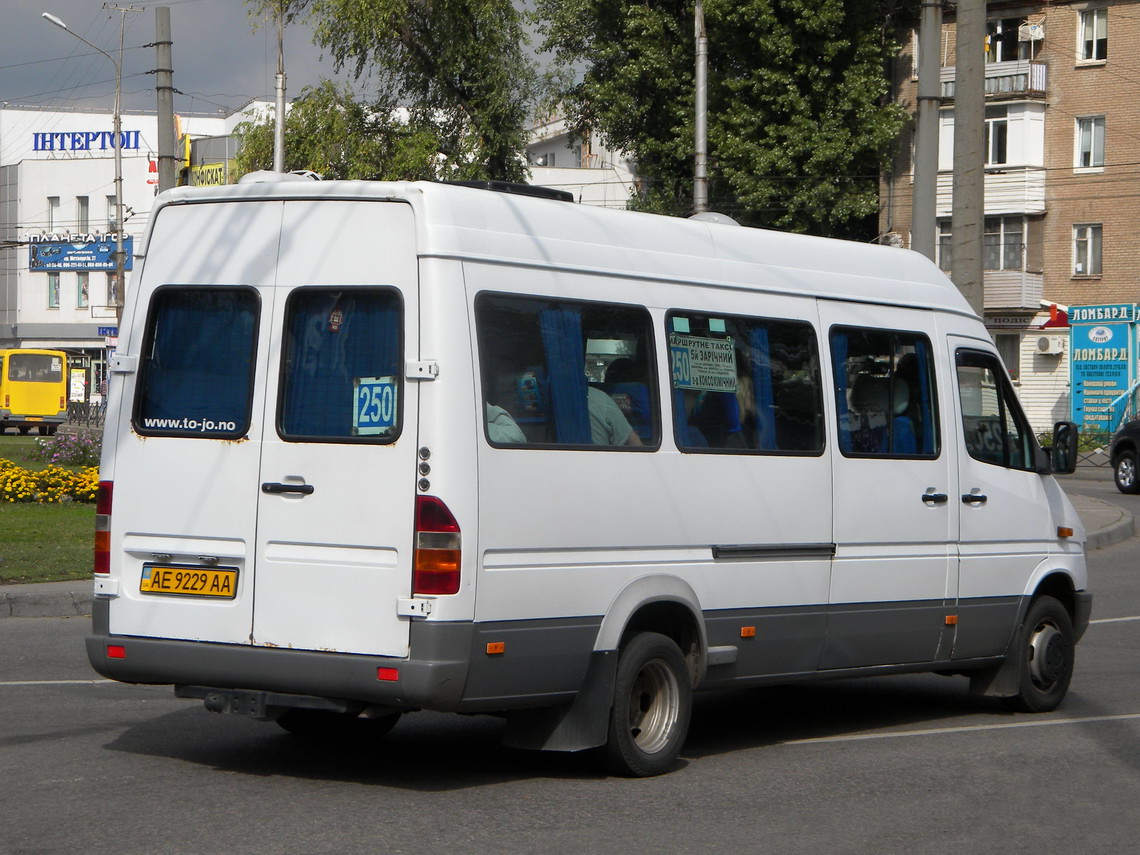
[[893, 764]]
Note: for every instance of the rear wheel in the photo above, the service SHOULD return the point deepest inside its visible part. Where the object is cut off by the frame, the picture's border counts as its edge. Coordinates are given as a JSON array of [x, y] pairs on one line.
[[334, 726], [652, 703], [1125, 473], [1047, 651]]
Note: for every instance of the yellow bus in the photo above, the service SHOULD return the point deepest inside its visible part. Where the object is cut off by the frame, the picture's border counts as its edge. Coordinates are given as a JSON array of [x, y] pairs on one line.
[[33, 390]]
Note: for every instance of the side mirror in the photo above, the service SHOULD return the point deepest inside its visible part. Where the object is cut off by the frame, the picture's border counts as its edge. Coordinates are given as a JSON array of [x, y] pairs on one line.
[[1064, 452]]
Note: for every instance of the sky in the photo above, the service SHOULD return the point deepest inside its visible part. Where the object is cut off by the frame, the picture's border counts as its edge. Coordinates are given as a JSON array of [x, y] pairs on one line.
[[220, 60]]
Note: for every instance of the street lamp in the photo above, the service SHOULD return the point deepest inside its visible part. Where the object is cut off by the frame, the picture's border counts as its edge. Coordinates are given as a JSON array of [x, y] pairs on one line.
[[120, 255]]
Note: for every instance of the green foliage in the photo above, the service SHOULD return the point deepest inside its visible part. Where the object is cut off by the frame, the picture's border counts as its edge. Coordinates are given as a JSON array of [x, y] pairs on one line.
[[459, 68], [331, 133], [799, 122]]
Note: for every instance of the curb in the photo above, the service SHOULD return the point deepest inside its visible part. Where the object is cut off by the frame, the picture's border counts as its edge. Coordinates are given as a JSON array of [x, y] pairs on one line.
[[40, 603]]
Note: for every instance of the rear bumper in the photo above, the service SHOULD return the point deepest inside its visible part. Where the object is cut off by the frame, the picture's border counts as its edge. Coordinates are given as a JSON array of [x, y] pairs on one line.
[[432, 682]]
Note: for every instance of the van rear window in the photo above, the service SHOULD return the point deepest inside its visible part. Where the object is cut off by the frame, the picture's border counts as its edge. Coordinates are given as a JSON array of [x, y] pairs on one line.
[[341, 377], [196, 376]]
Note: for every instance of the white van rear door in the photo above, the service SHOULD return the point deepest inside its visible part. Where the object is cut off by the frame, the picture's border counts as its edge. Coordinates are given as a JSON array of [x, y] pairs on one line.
[[186, 475], [336, 491]]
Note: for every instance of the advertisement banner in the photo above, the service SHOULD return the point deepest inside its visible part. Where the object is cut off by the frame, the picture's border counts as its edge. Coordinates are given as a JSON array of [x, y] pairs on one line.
[[1101, 361], [86, 255]]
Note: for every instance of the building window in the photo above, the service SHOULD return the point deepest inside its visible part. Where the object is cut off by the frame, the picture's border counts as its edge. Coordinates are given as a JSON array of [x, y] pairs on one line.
[[112, 210], [53, 290], [83, 290], [112, 289], [52, 212], [1002, 43], [1094, 35], [83, 213], [1090, 142], [1086, 250], [1009, 349], [944, 246], [996, 135], [1003, 243]]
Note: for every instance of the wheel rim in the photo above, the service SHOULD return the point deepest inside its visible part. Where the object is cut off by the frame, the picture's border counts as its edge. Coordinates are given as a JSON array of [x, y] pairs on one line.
[[1048, 655], [1126, 472], [654, 706]]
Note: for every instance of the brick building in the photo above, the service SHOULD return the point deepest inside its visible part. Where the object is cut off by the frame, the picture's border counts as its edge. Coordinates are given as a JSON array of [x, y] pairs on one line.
[[1062, 186]]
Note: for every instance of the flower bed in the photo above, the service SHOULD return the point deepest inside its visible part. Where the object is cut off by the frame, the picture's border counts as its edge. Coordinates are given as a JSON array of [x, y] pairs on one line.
[[51, 485]]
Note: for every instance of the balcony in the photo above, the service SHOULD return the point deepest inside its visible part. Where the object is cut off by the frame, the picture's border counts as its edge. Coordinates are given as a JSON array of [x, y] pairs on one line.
[[1022, 78], [1008, 190], [1012, 289]]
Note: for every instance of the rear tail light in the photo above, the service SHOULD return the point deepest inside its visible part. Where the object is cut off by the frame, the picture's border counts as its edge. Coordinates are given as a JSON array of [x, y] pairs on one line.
[[103, 527], [437, 553], [62, 403]]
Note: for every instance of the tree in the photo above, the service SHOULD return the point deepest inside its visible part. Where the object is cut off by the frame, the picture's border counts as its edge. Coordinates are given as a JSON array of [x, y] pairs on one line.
[[331, 133], [799, 125], [458, 67]]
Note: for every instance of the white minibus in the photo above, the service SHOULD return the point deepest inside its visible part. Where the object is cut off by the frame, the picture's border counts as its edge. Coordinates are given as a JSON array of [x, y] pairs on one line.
[[380, 447]]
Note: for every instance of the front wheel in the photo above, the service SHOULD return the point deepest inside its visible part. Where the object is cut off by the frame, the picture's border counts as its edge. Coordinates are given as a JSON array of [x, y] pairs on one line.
[[1047, 652], [1125, 474], [652, 703]]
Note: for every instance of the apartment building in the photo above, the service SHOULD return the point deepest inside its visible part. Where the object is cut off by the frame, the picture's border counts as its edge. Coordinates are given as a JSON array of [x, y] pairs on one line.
[[1062, 182]]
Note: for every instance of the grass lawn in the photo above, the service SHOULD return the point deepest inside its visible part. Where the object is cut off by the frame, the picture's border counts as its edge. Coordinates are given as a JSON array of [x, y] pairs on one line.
[[45, 543], [42, 543]]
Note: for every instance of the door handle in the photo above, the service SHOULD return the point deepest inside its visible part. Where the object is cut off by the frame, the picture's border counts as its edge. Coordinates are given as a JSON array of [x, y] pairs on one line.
[[974, 498], [935, 498], [274, 487]]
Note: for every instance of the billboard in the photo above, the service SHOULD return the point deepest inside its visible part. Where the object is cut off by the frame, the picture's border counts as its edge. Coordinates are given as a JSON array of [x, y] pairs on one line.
[[79, 255], [1101, 362]]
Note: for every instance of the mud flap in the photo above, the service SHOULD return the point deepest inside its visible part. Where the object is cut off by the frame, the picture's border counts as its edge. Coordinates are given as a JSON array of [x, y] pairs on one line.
[[581, 724]]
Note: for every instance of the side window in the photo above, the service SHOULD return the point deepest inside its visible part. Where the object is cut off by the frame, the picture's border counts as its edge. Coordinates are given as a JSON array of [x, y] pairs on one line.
[[341, 372], [559, 373], [745, 384], [884, 393], [994, 427], [196, 376]]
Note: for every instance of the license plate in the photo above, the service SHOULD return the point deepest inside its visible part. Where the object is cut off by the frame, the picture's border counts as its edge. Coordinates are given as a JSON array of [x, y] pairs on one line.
[[219, 582]]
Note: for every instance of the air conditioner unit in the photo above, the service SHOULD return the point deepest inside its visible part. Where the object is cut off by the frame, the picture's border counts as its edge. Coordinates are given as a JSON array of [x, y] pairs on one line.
[[1051, 345]]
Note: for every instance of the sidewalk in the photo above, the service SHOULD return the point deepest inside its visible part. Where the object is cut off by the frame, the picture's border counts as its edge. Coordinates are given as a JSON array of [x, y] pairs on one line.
[[1105, 522]]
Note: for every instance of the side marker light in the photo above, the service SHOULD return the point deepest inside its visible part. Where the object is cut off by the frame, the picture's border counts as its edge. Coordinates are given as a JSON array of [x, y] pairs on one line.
[[1064, 531], [748, 632], [496, 647], [116, 651]]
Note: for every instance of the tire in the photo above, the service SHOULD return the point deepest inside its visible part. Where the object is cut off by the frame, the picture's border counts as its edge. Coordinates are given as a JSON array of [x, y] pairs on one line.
[[1047, 654], [329, 726], [43, 430], [1125, 473], [652, 704]]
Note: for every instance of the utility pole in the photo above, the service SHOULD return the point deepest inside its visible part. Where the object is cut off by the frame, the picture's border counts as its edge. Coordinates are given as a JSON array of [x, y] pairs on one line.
[[700, 160], [923, 208], [967, 221], [279, 119], [164, 85]]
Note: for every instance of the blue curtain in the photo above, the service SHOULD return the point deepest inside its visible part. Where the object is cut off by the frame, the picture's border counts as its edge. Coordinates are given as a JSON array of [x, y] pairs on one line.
[[336, 338], [839, 367], [926, 410], [566, 363], [766, 439], [200, 358]]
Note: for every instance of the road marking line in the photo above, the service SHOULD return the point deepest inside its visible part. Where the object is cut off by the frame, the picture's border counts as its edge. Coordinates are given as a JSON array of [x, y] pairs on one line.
[[1114, 619], [965, 729], [52, 682]]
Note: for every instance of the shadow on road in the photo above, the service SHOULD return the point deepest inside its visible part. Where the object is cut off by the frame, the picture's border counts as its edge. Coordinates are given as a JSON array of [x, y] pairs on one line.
[[436, 752]]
